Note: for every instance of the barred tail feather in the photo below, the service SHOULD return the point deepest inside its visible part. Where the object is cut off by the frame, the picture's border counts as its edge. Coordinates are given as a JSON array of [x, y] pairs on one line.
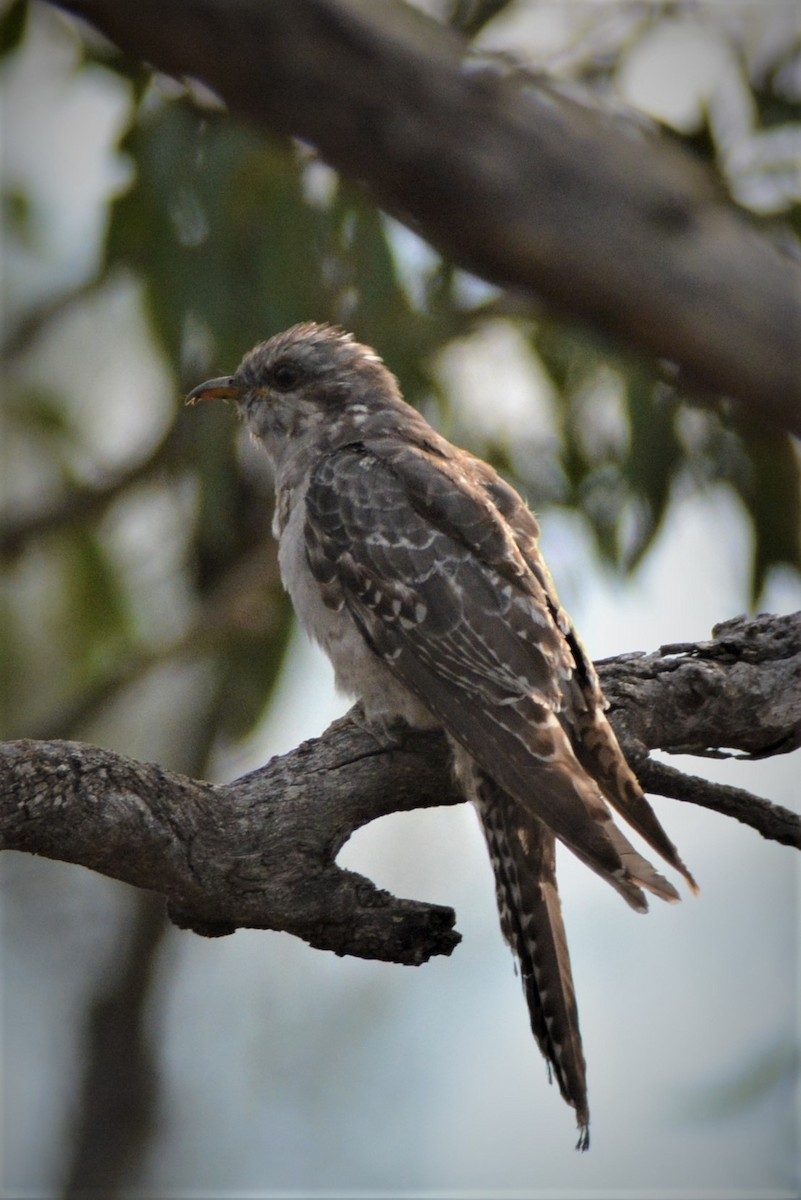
[[522, 851]]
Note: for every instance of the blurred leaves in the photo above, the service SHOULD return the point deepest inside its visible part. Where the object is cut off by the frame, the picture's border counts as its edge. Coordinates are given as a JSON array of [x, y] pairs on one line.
[[251, 248], [99, 624], [653, 461], [628, 440], [771, 491], [12, 26], [216, 226], [40, 412], [17, 216]]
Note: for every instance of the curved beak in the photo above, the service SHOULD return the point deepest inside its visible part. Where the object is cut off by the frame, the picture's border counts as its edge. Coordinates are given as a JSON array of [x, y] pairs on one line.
[[223, 388]]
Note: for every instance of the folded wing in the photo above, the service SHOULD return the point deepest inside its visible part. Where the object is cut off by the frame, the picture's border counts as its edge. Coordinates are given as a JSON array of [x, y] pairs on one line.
[[457, 602]]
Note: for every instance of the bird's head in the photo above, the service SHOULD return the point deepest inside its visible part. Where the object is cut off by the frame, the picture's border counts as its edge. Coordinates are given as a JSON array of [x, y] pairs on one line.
[[301, 381]]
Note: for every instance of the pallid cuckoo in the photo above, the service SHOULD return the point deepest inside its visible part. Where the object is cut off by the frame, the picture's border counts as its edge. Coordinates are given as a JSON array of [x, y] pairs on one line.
[[416, 568]]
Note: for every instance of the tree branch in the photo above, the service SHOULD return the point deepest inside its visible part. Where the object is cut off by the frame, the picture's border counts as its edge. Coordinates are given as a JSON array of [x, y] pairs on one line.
[[257, 853], [741, 691], [261, 852], [84, 502], [520, 184], [771, 820]]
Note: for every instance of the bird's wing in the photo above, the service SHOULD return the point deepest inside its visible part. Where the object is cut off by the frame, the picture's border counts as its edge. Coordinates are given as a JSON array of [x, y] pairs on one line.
[[523, 856], [431, 573], [591, 736]]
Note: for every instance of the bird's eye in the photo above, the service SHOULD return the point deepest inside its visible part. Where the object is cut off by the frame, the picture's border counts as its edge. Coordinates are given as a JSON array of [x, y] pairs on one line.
[[285, 376]]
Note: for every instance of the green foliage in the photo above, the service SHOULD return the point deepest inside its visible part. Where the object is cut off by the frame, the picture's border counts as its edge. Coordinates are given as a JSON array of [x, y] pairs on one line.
[[97, 622], [17, 216], [220, 227], [40, 414], [217, 228], [12, 26], [11, 659], [249, 668], [653, 460], [771, 491]]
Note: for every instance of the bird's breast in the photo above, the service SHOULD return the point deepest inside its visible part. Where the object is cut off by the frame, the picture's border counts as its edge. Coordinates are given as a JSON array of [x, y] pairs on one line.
[[358, 671]]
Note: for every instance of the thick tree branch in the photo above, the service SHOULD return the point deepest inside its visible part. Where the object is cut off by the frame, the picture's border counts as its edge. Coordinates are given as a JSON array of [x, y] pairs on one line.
[[257, 853], [520, 184], [739, 692], [261, 852]]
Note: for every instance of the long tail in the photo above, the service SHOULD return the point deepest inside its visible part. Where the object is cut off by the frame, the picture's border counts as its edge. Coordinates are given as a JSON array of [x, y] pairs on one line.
[[523, 854], [598, 751]]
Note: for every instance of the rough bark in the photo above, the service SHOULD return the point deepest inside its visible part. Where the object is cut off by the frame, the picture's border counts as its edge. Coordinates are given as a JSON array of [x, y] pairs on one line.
[[261, 851], [520, 184]]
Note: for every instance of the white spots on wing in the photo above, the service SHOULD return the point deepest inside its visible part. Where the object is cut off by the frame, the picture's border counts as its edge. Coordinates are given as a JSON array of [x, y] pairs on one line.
[[523, 600], [398, 541], [533, 612], [420, 614], [373, 596]]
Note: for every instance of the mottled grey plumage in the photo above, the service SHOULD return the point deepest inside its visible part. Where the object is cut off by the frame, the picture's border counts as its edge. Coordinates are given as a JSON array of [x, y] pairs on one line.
[[417, 569]]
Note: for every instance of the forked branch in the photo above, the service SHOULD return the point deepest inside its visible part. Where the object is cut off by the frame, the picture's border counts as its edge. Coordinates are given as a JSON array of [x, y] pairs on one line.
[[261, 852]]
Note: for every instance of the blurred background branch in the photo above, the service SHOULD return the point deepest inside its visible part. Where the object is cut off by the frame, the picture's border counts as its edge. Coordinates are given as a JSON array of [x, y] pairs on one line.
[[599, 219]]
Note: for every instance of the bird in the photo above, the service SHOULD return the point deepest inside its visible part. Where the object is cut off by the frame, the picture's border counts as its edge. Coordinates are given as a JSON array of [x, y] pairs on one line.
[[416, 567]]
